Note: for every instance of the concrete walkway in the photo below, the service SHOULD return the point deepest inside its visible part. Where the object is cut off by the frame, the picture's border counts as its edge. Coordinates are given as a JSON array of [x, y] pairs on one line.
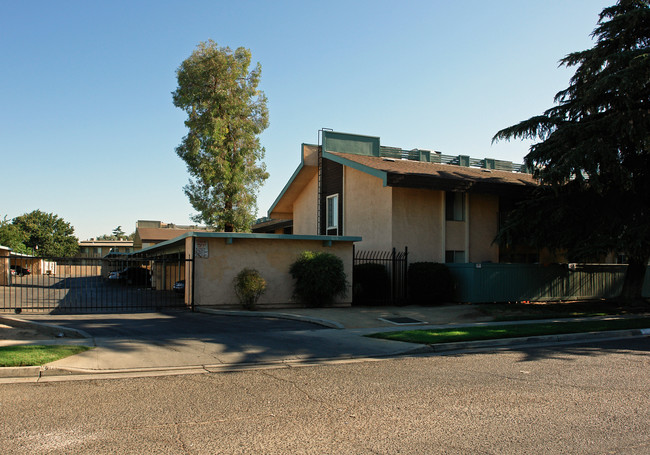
[[339, 336]]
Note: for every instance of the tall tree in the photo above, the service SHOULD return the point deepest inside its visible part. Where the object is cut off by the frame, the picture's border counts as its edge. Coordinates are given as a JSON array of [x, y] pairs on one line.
[[47, 235], [225, 115], [594, 156]]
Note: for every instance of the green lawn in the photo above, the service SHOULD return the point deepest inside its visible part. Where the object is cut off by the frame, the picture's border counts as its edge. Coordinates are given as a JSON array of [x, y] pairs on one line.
[[23, 356], [552, 310], [476, 333]]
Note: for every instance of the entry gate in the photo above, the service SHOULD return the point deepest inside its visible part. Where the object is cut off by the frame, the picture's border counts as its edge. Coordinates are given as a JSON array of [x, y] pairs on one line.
[[92, 285]]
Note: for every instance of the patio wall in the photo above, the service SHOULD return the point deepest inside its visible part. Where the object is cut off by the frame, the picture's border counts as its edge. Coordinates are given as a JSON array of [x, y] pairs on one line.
[[271, 255]]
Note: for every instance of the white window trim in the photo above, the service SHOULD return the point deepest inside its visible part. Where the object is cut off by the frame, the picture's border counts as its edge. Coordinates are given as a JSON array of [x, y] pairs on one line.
[[327, 211]]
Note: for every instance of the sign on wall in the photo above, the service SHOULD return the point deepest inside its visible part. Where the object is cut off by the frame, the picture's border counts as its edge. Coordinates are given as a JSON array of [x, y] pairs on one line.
[[201, 248]]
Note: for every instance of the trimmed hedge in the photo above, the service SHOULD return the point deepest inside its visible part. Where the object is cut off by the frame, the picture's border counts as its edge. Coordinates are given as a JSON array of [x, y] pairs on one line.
[[320, 278], [429, 283]]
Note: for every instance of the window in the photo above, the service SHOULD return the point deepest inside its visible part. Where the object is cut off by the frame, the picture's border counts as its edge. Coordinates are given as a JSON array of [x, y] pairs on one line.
[[455, 206], [332, 211], [454, 257]]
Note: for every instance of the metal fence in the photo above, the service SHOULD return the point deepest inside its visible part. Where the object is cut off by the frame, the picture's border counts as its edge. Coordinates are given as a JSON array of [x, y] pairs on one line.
[[89, 285], [520, 282], [387, 287]]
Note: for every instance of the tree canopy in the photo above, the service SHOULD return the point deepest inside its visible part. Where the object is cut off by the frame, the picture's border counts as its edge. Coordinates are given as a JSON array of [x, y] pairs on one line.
[[45, 234], [225, 115], [593, 158], [11, 236]]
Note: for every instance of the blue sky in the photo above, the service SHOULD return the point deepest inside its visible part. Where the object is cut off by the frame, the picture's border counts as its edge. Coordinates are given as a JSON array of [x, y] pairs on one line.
[[88, 128]]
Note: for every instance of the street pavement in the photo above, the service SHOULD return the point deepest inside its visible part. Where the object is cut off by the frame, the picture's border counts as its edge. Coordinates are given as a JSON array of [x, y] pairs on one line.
[[182, 342], [572, 399]]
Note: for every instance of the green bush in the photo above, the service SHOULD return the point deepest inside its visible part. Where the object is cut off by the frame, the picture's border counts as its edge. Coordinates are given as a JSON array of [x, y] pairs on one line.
[[249, 286], [371, 283], [320, 278], [429, 283]]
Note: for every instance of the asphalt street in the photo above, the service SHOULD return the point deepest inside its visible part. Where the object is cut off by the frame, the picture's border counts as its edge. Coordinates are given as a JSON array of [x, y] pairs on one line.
[[582, 399]]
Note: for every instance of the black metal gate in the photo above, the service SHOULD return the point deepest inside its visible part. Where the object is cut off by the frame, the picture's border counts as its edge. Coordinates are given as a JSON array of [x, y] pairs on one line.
[[380, 277], [114, 284]]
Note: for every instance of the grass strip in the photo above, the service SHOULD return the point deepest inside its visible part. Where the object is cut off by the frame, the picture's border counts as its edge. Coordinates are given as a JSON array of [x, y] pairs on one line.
[[25, 356], [477, 333], [550, 310]]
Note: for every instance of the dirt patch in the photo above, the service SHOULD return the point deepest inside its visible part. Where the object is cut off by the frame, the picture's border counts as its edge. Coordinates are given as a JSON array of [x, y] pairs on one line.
[[8, 332]]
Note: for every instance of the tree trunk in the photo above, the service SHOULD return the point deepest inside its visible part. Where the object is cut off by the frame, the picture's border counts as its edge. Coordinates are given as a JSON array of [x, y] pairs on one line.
[[634, 277], [228, 226]]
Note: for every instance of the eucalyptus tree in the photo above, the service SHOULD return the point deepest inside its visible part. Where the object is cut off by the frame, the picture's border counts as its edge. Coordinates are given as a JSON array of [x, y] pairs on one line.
[[226, 113], [593, 158]]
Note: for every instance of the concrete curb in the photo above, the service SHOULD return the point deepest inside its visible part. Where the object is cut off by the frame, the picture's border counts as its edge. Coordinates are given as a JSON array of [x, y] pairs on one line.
[[536, 341], [49, 329], [272, 314]]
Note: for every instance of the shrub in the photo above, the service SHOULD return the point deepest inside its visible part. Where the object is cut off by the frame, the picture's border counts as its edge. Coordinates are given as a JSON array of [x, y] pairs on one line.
[[249, 286], [429, 283], [371, 283], [320, 278]]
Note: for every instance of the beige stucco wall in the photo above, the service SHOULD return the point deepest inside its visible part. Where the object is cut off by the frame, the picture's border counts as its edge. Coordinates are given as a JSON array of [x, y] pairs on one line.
[[483, 224], [418, 217], [304, 209], [271, 257], [4, 266], [367, 210], [455, 235]]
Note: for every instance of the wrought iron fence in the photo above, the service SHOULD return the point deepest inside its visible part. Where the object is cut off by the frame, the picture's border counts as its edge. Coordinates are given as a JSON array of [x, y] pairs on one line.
[[380, 277], [85, 285]]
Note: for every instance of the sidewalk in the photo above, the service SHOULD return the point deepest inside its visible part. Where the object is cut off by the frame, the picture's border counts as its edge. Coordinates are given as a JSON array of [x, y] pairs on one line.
[[341, 341]]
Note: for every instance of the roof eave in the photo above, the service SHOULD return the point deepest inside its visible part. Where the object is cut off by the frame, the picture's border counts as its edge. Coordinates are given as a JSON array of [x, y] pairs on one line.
[[382, 175]]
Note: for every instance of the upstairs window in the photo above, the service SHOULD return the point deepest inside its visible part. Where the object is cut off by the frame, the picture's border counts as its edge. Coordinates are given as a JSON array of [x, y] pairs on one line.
[[455, 206], [332, 212]]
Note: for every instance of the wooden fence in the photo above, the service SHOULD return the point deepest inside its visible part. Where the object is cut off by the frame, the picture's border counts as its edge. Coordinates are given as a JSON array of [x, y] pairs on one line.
[[518, 282]]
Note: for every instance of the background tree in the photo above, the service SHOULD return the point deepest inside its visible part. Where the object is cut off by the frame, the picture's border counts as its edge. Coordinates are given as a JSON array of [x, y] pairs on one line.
[[12, 237], [119, 233], [47, 235], [594, 156], [225, 114]]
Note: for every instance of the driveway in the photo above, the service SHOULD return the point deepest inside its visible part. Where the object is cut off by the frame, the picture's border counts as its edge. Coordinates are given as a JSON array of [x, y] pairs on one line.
[[184, 339], [172, 325]]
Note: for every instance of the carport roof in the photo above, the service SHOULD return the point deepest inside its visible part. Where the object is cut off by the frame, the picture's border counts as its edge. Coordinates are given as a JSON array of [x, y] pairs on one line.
[[229, 237]]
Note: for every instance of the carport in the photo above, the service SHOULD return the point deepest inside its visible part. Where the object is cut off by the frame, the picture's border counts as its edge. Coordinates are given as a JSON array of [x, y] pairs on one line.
[[213, 259]]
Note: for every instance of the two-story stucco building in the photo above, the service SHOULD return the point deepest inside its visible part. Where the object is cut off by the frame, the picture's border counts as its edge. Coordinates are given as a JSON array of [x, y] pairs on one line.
[[444, 208]]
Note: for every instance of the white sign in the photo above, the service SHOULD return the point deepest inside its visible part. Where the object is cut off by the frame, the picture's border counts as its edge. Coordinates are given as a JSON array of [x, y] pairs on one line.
[[201, 248]]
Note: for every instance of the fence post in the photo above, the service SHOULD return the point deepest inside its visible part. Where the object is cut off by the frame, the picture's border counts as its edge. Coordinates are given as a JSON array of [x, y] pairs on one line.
[[193, 267], [393, 286], [406, 274]]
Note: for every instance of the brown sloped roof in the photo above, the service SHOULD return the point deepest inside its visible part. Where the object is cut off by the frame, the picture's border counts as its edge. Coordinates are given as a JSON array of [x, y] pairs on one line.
[[148, 235], [448, 177]]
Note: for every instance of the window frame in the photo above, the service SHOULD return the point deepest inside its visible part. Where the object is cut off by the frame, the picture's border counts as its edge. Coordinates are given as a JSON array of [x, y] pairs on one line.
[[450, 209], [335, 215], [455, 255]]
